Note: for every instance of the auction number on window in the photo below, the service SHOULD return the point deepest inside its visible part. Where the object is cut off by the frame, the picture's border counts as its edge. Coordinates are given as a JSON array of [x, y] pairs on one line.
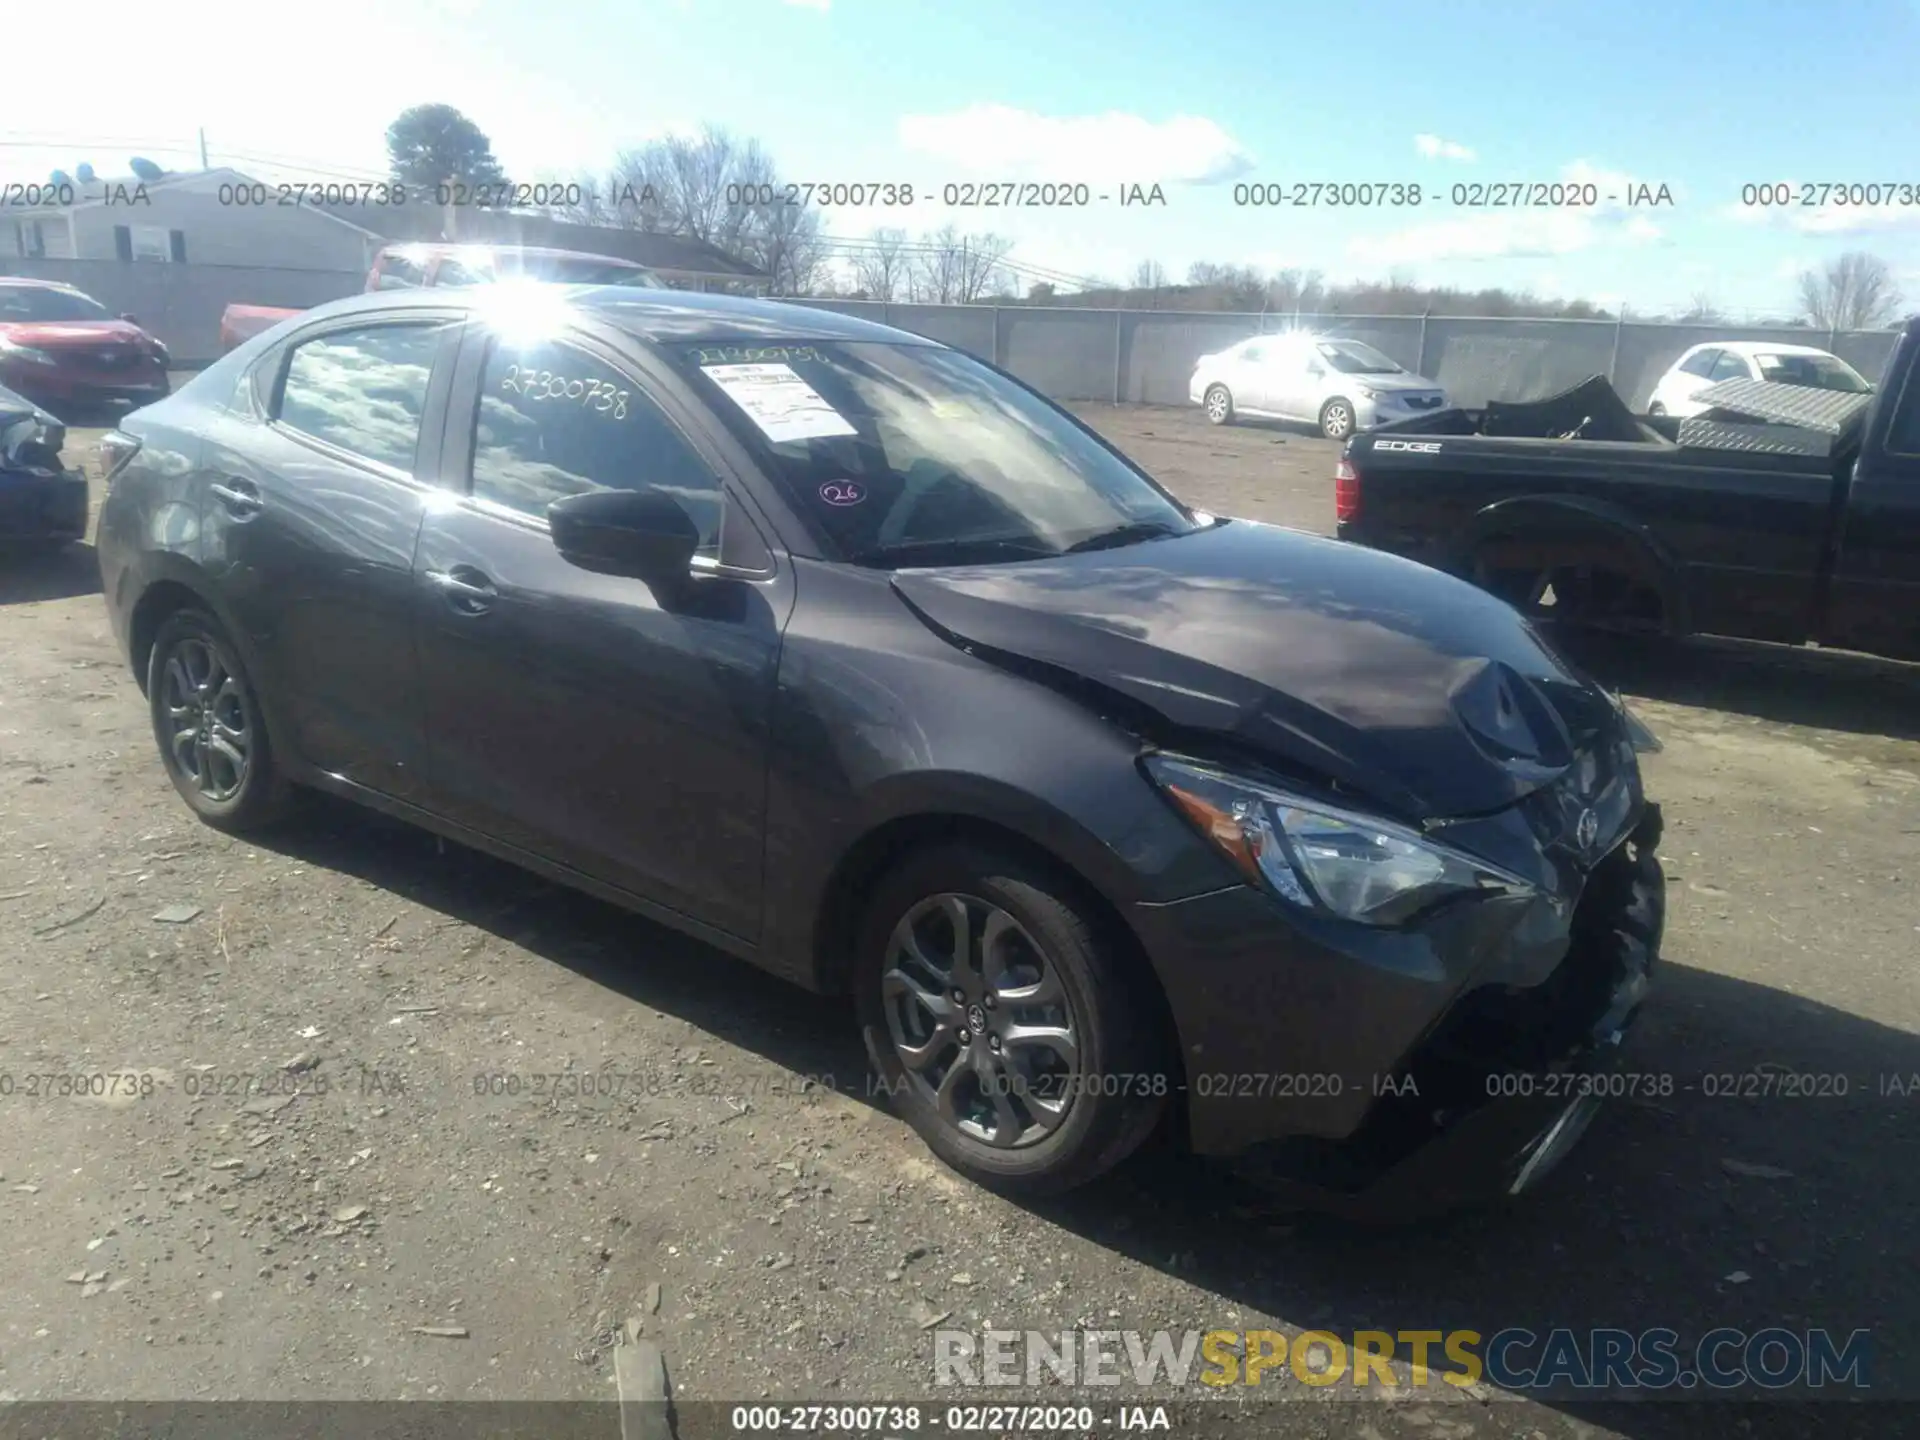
[[531, 384]]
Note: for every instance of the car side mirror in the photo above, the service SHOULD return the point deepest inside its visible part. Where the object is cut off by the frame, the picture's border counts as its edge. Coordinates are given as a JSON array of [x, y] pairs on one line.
[[642, 533], [130, 319], [1316, 369]]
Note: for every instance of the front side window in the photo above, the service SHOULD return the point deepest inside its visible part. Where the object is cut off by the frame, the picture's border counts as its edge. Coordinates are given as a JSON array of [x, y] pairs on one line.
[[556, 421], [1728, 367], [1903, 433], [1701, 364], [906, 454], [363, 390]]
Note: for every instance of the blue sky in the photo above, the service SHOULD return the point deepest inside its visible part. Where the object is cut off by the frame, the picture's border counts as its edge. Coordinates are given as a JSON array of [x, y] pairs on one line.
[[1196, 96]]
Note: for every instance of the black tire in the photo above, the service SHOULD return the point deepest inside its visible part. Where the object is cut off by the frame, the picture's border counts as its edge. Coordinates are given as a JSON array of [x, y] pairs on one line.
[[1114, 1090], [1218, 401], [1338, 419], [262, 795]]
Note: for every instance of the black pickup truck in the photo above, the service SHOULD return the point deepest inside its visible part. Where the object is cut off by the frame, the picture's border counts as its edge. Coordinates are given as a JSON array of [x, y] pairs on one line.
[[1782, 513]]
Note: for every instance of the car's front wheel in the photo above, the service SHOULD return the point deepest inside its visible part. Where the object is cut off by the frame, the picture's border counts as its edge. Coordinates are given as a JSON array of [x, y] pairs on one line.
[[1001, 1024], [1219, 405], [207, 723], [1336, 419]]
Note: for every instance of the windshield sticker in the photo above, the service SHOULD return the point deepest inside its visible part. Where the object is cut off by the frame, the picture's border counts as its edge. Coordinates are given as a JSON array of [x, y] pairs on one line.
[[756, 354], [783, 405], [843, 492]]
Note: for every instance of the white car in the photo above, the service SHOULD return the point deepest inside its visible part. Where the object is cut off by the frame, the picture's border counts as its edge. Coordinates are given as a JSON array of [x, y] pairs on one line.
[[1338, 385], [1720, 360]]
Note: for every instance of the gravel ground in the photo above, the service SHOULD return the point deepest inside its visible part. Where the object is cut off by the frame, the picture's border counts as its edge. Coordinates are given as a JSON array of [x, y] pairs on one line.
[[309, 1173]]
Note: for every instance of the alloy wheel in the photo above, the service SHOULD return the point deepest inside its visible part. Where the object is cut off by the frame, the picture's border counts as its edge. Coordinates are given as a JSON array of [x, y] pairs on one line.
[[1337, 422], [1218, 405], [210, 722], [980, 1021]]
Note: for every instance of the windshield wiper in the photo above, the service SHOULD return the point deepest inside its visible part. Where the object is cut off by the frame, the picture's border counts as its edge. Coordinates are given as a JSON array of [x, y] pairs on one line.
[[1125, 535], [931, 551]]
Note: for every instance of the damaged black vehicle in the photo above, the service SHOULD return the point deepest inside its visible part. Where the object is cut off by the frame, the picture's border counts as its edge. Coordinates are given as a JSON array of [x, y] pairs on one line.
[[43, 503], [851, 655]]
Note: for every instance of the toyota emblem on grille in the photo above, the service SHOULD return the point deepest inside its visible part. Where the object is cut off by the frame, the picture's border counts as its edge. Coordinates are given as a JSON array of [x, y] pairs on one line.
[[1586, 829]]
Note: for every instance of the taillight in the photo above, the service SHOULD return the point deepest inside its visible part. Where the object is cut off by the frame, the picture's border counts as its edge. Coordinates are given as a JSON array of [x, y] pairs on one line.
[[1346, 491], [116, 449]]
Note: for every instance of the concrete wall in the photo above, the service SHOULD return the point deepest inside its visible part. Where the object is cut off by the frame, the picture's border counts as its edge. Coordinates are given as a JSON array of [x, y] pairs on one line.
[[1146, 356], [181, 304], [1135, 356]]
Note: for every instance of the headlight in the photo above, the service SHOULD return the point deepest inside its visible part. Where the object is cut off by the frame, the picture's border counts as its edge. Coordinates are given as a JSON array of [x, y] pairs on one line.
[[13, 350], [1367, 391], [1322, 858]]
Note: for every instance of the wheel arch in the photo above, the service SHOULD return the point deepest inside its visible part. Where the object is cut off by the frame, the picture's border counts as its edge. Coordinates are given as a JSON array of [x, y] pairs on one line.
[[1568, 523], [889, 842]]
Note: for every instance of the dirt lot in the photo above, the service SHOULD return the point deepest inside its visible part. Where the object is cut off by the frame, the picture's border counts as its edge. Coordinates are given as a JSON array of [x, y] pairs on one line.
[[310, 1162]]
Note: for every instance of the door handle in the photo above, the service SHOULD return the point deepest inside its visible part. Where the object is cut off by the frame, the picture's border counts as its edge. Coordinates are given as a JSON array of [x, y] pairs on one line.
[[466, 589], [239, 496]]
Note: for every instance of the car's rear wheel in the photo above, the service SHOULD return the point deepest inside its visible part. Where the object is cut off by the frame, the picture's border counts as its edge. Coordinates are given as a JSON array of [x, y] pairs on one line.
[[1219, 403], [1336, 419], [1001, 1024], [208, 724]]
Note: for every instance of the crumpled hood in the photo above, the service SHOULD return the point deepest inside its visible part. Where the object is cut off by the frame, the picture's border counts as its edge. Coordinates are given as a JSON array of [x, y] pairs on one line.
[[1392, 679]]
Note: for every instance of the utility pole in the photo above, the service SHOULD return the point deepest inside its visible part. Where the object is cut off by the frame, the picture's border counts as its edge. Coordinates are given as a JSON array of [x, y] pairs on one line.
[[203, 147]]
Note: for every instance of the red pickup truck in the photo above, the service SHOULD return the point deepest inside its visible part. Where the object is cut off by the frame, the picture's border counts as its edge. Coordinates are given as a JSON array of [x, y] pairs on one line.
[[404, 267]]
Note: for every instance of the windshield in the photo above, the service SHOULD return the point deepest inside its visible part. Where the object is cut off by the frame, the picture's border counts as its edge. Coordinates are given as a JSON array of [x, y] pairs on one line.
[[917, 455], [1350, 357], [1823, 372], [31, 304]]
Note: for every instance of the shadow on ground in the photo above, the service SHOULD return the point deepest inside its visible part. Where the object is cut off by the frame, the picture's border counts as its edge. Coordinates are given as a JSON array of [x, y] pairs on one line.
[[1828, 689], [1660, 1219], [27, 575]]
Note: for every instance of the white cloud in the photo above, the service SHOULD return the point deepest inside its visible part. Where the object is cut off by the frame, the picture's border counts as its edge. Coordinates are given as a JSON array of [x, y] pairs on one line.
[[1000, 142], [1435, 148], [1831, 218], [1524, 232]]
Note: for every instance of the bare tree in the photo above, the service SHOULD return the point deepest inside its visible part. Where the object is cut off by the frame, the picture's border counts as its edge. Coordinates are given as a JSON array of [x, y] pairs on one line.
[[1854, 292], [1702, 311], [1149, 275], [935, 275], [980, 267], [881, 265]]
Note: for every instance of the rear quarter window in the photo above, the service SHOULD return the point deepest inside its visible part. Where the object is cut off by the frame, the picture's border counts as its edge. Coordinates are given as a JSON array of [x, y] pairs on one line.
[[363, 390]]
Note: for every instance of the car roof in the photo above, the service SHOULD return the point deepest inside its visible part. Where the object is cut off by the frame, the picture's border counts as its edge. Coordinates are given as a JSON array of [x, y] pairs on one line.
[[1751, 348], [654, 315], [444, 248]]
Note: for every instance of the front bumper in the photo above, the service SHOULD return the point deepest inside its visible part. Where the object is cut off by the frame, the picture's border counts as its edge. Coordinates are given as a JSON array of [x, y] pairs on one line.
[[51, 385], [38, 507], [1422, 1070]]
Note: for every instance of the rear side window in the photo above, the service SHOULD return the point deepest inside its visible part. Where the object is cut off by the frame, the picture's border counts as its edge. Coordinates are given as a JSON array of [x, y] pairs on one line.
[[1701, 364], [363, 390], [556, 421], [400, 272]]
